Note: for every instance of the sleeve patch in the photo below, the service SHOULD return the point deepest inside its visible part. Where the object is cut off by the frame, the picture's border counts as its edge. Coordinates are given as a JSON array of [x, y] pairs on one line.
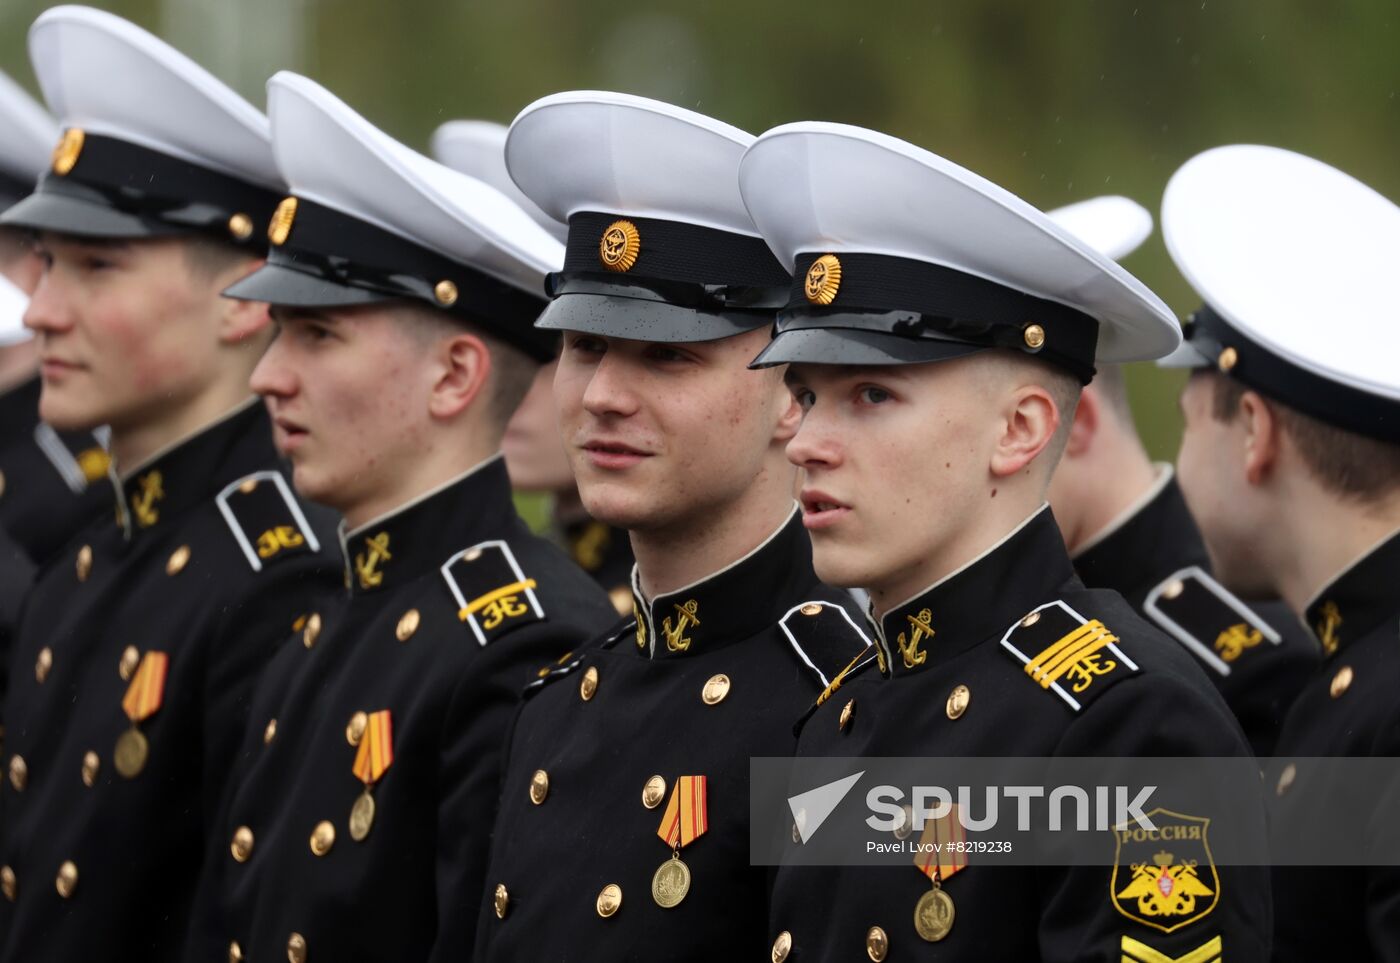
[[1061, 651], [1207, 618], [266, 519], [824, 637], [493, 594]]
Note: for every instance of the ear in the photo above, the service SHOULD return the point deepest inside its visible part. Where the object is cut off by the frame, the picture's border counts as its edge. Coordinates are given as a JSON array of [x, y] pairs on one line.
[[790, 418], [1028, 425], [240, 320], [464, 367], [1088, 415], [1262, 436]]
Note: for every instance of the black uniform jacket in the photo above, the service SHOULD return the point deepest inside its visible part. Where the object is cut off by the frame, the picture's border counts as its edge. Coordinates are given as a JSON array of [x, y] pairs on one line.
[[977, 667], [147, 631], [700, 680], [1350, 707], [1258, 654], [450, 606]]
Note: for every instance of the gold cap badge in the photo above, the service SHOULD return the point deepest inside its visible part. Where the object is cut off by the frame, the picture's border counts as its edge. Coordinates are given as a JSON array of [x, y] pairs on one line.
[[823, 279], [619, 246], [446, 293], [281, 224], [70, 147]]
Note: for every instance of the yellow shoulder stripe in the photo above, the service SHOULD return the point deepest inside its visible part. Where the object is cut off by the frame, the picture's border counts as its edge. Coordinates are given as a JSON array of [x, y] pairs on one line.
[[1135, 951]]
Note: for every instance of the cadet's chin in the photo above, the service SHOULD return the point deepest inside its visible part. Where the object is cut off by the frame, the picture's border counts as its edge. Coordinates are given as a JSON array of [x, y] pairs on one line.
[[837, 566], [67, 409], [617, 504]]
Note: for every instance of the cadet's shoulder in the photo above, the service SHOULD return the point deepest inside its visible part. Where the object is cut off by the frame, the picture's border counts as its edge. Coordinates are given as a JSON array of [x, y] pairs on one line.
[[823, 635], [621, 632], [504, 585], [266, 531]]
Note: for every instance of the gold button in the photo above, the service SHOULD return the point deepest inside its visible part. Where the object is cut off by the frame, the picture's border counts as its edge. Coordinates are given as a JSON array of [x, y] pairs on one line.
[[1341, 682], [67, 879], [1030, 620], [653, 792], [716, 688], [539, 786], [877, 944], [1173, 589], [408, 624], [43, 664], [19, 773], [1034, 336], [322, 838], [296, 948], [471, 555], [446, 293], [782, 946], [242, 845], [2, 483], [905, 829], [83, 566], [312, 632], [241, 227], [248, 486], [958, 700], [588, 686], [811, 608], [609, 900], [9, 885], [1228, 359], [1285, 778], [270, 731], [501, 901], [355, 728], [848, 712], [92, 765], [235, 953], [131, 658], [178, 560]]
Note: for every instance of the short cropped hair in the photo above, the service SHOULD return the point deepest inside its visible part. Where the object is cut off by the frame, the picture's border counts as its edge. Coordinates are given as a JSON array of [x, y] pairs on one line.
[[1345, 463]]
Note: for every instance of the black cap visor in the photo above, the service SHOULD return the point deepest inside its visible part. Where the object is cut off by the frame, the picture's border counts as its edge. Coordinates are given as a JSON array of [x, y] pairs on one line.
[[280, 285], [638, 313], [829, 344], [83, 212]]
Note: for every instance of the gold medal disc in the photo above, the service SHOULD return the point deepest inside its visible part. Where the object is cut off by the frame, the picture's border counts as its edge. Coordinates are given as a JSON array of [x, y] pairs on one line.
[[131, 753], [362, 817], [670, 883], [933, 915]]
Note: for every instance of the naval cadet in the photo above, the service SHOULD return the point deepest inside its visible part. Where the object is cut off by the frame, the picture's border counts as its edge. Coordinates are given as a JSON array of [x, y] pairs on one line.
[[138, 645], [1291, 461], [360, 805], [535, 455], [937, 335], [623, 831], [1127, 528]]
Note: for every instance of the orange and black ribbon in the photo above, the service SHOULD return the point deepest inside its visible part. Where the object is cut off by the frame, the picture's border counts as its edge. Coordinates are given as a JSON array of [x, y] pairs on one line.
[[376, 752], [147, 690], [686, 817]]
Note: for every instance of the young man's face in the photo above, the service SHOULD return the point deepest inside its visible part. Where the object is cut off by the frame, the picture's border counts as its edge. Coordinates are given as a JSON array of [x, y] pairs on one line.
[[1210, 466], [535, 455], [667, 434], [125, 329], [896, 461], [348, 391]]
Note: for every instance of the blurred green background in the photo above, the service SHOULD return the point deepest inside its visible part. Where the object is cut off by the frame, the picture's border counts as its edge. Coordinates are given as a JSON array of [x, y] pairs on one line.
[[1055, 101]]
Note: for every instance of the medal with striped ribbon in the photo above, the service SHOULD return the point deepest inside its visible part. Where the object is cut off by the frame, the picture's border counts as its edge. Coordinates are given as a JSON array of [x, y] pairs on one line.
[[373, 758], [143, 698], [685, 820]]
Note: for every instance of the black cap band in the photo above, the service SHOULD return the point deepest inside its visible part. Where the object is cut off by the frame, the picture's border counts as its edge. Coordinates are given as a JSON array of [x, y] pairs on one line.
[[152, 193], [923, 302], [345, 252], [1255, 366]]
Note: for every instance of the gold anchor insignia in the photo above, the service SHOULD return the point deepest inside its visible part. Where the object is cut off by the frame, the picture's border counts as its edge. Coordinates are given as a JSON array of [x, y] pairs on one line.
[[280, 226], [619, 246], [686, 617], [823, 280], [920, 630], [69, 149], [641, 625], [367, 563], [1327, 627], [276, 539], [1233, 641], [143, 503]]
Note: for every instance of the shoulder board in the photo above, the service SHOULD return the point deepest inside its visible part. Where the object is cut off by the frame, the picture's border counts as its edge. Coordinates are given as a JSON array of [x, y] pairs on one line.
[[871, 655], [824, 637], [569, 661], [493, 593], [1207, 618], [80, 457], [1076, 658], [266, 519]]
